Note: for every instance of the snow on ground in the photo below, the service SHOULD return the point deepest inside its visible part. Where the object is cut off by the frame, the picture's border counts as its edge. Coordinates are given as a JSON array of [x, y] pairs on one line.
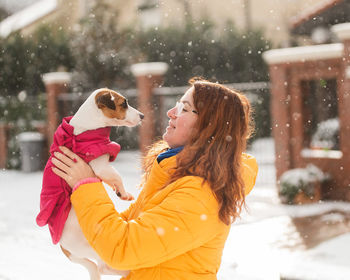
[[264, 244], [26, 250]]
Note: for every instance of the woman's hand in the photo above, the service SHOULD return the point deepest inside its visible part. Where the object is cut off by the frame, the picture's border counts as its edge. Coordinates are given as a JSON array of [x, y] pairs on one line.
[[71, 167]]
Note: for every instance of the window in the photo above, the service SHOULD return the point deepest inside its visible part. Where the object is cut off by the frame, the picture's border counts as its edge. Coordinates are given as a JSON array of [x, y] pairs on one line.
[[321, 123]]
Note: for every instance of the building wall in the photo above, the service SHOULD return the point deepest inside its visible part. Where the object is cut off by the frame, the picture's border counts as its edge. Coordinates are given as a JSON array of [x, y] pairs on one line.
[[273, 16], [66, 16]]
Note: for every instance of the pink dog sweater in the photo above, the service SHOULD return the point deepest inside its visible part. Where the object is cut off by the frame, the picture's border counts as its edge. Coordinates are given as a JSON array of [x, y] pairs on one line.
[[55, 194]]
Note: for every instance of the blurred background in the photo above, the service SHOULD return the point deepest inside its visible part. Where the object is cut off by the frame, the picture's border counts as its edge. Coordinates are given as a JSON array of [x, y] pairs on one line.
[[290, 58]]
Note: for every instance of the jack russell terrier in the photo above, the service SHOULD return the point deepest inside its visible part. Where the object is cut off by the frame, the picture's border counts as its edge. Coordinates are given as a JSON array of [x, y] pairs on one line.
[[87, 135]]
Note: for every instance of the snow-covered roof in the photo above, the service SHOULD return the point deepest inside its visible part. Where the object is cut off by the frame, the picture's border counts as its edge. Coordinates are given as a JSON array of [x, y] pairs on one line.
[[342, 30], [56, 77], [27, 16], [302, 54], [149, 68], [310, 153], [312, 11], [30, 137]]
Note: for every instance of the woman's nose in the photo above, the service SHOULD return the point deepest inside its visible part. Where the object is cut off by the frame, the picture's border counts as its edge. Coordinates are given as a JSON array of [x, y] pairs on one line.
[[172, 113]]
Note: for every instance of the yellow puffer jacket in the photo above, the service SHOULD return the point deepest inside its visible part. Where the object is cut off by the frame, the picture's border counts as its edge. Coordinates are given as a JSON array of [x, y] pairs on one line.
[[168, 233]]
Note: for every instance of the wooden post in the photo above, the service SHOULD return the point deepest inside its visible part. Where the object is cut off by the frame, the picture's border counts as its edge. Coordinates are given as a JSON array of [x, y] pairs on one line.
[[55, 83], [148, 76]]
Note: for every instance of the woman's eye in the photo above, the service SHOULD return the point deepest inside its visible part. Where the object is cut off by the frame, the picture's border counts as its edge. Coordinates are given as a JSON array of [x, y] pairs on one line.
[[185, 109]]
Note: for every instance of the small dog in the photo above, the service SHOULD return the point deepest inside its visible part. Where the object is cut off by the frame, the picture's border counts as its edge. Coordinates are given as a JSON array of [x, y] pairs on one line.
[[86, 134]]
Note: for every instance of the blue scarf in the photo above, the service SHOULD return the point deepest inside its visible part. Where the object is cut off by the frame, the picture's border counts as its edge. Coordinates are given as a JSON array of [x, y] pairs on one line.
[[169, 153]]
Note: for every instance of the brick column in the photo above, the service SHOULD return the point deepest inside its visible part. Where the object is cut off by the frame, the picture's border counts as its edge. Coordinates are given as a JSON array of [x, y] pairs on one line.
[[55, 84], [286, 102], [296, 116], [345, 112], [344, 104], [280, 116], [3, 145], [343, 32], [148, 76]]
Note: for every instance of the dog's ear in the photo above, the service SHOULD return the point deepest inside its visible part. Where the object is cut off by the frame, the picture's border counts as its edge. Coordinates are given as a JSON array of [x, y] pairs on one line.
[[105, 99]]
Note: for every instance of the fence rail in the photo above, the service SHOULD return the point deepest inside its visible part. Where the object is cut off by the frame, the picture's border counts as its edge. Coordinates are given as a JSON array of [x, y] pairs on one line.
[[244, 87], [33, 108]]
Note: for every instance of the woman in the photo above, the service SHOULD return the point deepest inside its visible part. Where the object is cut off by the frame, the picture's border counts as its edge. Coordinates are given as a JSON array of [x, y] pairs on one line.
[[194, 187]]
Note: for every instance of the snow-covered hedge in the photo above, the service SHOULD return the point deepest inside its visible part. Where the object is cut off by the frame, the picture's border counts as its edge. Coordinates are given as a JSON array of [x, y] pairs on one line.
[[300, 180], [326, 135]]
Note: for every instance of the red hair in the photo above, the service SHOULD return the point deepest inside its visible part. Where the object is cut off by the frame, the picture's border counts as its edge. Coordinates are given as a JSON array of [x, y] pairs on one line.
[[215, 148]]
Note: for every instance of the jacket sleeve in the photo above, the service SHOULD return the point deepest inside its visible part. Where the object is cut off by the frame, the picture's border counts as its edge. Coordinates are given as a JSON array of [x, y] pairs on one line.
[[126, 213], [186, 219], [249, 172]]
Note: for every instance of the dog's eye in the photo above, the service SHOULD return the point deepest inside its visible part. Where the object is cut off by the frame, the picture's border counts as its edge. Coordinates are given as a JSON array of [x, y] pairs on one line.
[[124, 104]]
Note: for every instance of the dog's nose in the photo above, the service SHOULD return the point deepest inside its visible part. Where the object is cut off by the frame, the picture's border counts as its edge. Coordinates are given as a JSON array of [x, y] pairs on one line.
[[142, 116]]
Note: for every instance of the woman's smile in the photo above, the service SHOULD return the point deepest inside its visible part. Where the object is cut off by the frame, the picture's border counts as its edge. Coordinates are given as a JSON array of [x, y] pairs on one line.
[[171, 126], [182, 118]]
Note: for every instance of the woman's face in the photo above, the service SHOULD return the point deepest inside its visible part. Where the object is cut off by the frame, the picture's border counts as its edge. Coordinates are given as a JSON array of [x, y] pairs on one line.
[[182, 119]]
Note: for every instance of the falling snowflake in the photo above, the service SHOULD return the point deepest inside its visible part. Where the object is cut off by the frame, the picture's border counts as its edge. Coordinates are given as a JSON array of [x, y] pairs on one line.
[[204, 217], [160, 231]]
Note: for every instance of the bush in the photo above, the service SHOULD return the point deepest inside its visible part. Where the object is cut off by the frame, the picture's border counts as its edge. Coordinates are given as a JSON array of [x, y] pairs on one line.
[[299, 180], [105, 54], [20, 114], [24, 60], [260, 102], [326, 135], [194, 49], [197, 50], [99, 54]]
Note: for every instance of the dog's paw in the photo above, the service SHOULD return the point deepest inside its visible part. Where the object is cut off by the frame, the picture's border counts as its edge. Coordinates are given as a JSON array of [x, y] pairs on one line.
[[127, 196]]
